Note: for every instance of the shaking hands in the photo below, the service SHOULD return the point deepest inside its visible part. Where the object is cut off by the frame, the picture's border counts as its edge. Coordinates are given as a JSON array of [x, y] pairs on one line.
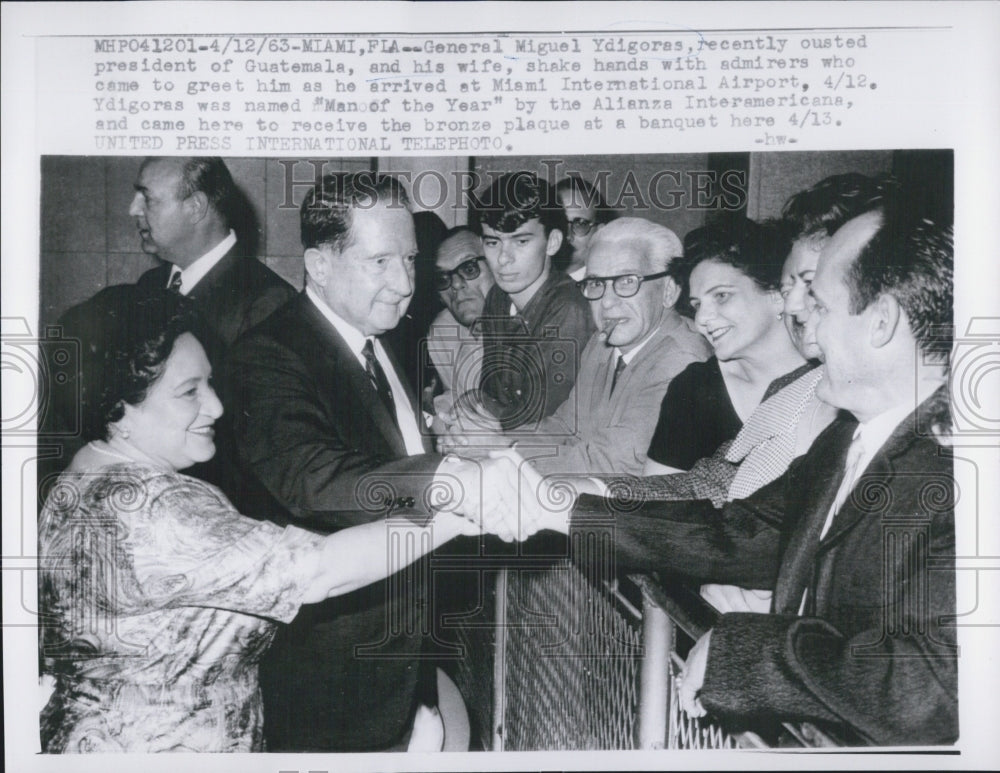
[[503, 495]]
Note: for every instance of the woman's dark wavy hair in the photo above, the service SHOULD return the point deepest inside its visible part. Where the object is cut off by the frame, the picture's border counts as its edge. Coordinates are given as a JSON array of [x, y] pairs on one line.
[[757, 250], [126, 335]]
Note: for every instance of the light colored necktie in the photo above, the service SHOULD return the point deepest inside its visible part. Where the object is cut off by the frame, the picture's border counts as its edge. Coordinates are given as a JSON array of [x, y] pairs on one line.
[[854, 454]]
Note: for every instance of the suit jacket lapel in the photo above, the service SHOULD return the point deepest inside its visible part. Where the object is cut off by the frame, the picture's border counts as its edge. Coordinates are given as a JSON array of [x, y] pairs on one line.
[[347, 373], [213, 283], [821, 480], [158, 277], [872, 494]]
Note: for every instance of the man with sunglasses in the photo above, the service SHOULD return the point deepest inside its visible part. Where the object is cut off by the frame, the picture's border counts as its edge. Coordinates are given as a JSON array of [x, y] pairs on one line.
[[462, 279]]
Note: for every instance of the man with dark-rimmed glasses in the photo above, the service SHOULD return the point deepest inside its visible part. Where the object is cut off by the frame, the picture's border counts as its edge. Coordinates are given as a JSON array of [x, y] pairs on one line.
[[641, 343]]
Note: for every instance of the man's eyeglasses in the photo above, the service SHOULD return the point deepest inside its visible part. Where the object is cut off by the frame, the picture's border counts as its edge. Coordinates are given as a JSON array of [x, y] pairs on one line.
[[625, 285], [580, 227], [467, 270]]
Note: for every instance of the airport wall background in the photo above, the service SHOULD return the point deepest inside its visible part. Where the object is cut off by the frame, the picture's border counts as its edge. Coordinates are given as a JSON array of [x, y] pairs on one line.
[[88, 240]]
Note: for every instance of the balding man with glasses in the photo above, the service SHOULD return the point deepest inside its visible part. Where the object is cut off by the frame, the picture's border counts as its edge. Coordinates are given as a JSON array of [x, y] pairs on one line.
[[641, 343]]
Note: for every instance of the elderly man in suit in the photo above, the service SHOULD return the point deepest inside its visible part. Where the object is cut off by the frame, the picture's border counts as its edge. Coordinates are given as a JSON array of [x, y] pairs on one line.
[[332, 433], [857, 537], [641, 343]]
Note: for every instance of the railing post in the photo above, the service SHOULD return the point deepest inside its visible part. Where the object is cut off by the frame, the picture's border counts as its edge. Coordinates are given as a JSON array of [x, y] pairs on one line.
[[654, 675], [500, 662]]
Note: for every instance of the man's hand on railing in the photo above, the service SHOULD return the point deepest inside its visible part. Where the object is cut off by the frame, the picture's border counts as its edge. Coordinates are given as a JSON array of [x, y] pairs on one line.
[[693, 677]]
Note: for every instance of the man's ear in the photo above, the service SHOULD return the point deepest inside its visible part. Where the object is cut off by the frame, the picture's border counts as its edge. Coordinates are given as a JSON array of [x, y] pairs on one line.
[[671, 292], [197, 206], [884, 316], [317, 266], [554, 243]]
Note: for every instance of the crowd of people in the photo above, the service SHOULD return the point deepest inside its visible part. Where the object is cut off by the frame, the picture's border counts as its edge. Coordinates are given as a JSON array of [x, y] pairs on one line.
[[236, 557]]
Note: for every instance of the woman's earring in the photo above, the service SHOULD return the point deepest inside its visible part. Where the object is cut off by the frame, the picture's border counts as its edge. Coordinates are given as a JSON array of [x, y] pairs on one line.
[[124, 432]]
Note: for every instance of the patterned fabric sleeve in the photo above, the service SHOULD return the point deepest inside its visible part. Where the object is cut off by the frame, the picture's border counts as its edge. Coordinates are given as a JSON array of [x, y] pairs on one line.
[[709, 478], [189, 547]]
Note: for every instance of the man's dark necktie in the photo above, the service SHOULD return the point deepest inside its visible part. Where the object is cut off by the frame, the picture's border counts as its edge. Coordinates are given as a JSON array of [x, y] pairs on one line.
[[175, 283], [378, 379], [618, 371]]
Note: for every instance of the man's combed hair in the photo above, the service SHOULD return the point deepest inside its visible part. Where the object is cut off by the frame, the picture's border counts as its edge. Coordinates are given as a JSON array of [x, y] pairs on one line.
[[210, 176], [326, 213], [514, 199], [590, 196], [914, 262], [826, 206]]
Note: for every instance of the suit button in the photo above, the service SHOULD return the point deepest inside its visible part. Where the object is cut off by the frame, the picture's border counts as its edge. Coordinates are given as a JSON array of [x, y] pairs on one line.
[[410, 501]]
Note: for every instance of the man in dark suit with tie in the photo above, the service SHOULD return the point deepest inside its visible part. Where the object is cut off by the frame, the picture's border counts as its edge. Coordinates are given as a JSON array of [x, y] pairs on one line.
[[857, 538], [333, 434], [183, 208]]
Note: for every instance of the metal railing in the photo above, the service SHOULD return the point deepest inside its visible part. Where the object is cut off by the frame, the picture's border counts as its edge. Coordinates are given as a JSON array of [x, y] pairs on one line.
[[576, 662]]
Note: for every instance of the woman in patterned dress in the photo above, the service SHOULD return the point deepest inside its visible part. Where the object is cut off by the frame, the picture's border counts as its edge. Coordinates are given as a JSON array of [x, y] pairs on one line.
[[158, 598]]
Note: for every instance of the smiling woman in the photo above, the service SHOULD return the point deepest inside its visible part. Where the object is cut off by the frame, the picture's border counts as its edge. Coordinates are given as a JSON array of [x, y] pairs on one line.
[[732, 270], [158, 597]]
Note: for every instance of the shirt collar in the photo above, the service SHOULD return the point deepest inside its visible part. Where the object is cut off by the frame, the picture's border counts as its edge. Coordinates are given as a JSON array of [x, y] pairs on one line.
[[876, 431], [629, 356], [665, 324], [194, 273], [355, 338]]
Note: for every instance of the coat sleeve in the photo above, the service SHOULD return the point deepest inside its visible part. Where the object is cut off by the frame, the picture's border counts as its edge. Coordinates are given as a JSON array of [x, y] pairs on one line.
[[299, 453], [739, 544], [893, 681]]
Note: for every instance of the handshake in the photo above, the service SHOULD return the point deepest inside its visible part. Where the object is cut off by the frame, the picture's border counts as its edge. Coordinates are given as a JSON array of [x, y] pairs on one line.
[[503, 495]]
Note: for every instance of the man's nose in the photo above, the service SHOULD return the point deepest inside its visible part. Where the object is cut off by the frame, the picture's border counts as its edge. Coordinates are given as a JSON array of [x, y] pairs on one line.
[[401, 278], [136, 208], [506, 253]]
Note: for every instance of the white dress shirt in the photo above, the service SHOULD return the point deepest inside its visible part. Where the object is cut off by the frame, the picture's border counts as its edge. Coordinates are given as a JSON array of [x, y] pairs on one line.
[[871, 435], [194, 273], [356, 342]]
